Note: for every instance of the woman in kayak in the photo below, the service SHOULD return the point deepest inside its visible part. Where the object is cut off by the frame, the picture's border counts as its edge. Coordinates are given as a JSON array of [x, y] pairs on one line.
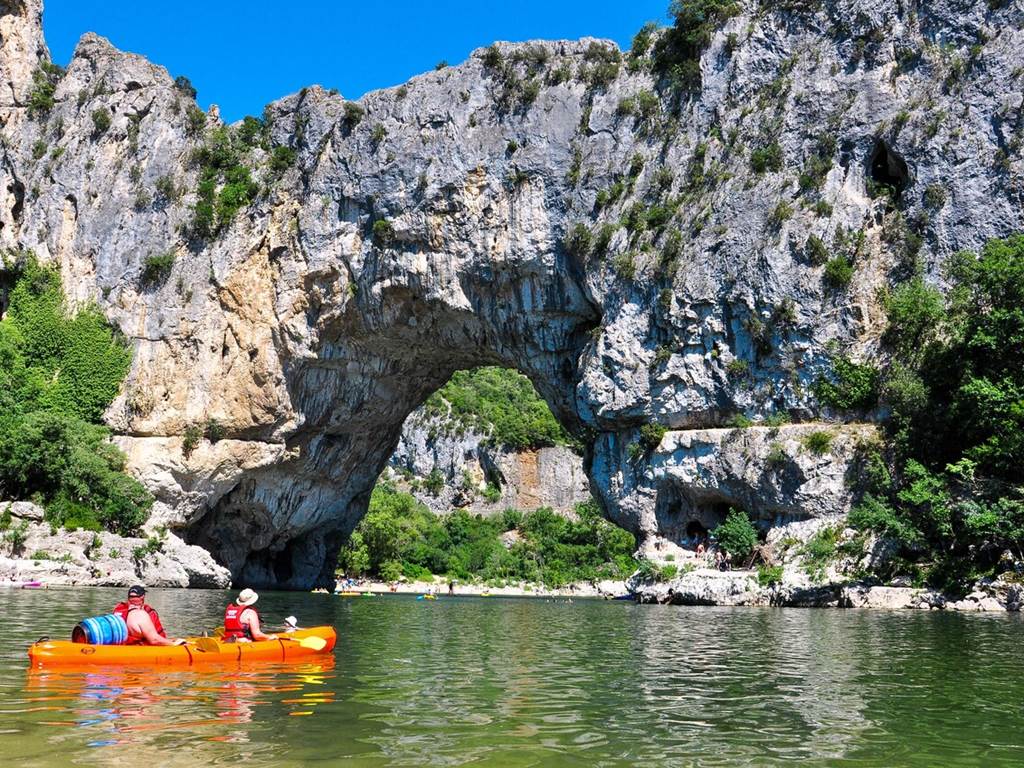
[[241, 620]]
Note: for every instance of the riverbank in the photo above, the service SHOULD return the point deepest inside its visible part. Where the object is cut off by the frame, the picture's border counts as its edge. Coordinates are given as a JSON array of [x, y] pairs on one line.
[[703, 586], [34, 551], [710, 587], [439, 586], [822, 563]]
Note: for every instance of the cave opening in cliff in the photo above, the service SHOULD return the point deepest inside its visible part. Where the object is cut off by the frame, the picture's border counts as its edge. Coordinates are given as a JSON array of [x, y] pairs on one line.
[[887, 170], [688, 518], [696, 530]]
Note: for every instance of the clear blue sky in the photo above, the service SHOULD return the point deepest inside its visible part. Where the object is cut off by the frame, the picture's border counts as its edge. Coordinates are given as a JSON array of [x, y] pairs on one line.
[[242, 54]]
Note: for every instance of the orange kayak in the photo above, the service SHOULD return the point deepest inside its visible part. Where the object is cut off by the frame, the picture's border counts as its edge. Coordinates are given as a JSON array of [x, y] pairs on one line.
[[198, 650]]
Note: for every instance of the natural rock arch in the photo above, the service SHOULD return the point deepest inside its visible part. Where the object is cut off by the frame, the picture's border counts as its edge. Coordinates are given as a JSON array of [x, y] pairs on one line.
[[282, 524], [305, 333]]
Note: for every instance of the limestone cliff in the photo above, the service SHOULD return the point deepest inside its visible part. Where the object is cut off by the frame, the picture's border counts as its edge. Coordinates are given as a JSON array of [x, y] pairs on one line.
[[480, 477], [432, 227]]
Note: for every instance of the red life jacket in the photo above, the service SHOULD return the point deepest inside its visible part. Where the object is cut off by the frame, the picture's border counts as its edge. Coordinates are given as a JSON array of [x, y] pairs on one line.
[[122, 609], [233, 626]]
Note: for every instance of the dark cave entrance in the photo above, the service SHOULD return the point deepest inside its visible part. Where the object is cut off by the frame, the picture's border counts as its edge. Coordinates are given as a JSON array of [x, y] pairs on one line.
[[696, 530], [887, 170], [688, 518]]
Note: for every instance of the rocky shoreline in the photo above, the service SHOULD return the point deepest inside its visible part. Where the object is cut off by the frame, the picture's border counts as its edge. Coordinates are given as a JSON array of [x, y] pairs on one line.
[[741, 588], [601, 589], [54, 556], [708, 587]]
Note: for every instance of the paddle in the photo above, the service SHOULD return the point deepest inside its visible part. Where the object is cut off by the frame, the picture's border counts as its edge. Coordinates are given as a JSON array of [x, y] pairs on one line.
[[314, 643], [207, 645]]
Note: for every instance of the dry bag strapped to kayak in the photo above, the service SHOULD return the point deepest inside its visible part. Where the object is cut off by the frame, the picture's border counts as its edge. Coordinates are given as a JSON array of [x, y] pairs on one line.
[[101, 630]]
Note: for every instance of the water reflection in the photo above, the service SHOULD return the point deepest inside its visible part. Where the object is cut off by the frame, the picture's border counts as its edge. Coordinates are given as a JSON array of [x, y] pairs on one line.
[[518, 682], [147, 709]]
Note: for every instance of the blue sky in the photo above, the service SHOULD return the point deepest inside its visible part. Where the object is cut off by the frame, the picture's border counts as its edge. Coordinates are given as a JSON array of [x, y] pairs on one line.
[[241, 55]]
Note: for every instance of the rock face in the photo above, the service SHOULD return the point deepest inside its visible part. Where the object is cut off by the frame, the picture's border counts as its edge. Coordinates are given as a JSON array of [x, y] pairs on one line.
[[471, 469], [85, 558], [21, 49], [684, 488], [308, 330]]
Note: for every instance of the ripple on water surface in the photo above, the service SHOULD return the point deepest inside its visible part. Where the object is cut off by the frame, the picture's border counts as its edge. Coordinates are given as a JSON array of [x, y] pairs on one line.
[[530, 683]]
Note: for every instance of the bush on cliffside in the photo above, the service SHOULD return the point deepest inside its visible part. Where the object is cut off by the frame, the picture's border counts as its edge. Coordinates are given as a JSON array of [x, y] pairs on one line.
[[736, 535], [44, 85], [58, 373], [500, 403], [225, 183], [677, 51]]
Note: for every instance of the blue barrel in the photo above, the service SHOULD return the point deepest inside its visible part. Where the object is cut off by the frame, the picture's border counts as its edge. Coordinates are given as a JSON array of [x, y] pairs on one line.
[[101, 630]]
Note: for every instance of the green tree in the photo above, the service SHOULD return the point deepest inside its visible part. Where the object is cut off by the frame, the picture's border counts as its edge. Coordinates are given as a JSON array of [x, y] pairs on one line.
[[955, 389], [677, 51], [400, 535], [736, 534]]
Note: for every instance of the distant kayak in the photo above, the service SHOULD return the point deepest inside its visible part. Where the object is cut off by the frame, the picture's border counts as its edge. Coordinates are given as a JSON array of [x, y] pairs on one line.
[[348, 593], [426, 597]]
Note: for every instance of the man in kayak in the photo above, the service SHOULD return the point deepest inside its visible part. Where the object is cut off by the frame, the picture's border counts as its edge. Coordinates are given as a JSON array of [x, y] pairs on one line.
[[241, 620], [144, 627]]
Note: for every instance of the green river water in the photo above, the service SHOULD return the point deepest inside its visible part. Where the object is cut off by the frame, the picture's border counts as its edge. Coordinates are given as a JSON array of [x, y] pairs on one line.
[[506, 682]]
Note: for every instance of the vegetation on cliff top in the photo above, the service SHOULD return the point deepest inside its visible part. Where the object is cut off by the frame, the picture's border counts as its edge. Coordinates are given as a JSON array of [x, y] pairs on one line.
[[58, 373], [401, 537], [500, 403]]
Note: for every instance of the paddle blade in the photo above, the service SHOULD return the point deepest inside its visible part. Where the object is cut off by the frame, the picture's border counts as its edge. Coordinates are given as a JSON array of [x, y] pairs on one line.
[[313, 643], [207, 645]]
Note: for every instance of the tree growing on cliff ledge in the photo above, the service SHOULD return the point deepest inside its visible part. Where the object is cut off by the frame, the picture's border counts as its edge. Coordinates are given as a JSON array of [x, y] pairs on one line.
[[677, 52], [737, 535]]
